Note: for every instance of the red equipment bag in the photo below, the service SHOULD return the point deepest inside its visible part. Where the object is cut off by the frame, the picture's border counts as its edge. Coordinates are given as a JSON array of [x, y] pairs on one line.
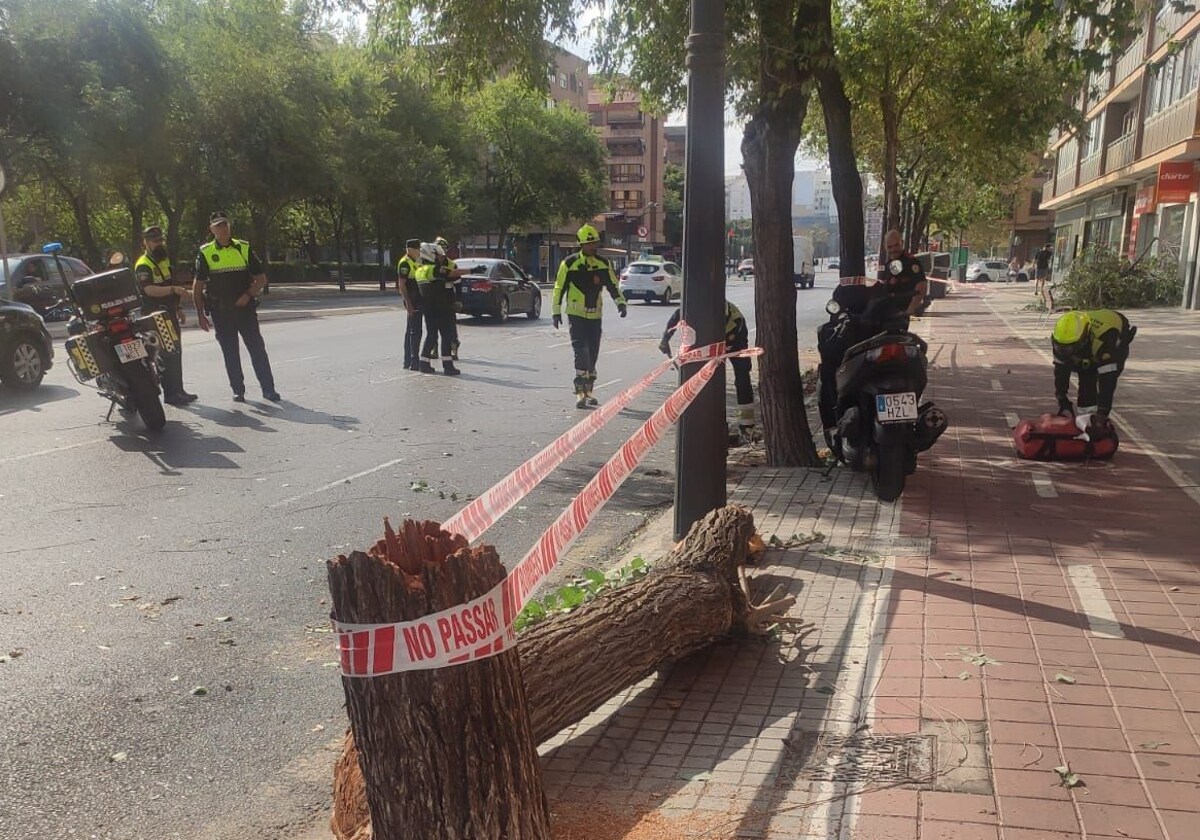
[[1051, 438]]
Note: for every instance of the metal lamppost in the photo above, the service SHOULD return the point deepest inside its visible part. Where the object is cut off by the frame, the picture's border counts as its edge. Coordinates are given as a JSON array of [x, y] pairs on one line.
[[3, 239], [700, 450]]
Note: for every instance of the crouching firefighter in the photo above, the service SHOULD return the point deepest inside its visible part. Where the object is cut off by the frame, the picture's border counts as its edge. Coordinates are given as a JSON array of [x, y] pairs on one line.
[[737, 337], [582, 279], [1094, 344]]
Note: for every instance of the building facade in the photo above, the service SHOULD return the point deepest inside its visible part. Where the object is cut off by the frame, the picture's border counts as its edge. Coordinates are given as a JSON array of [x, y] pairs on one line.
[[1032, 223], [676, 145], [636, 144], [1129, 180]]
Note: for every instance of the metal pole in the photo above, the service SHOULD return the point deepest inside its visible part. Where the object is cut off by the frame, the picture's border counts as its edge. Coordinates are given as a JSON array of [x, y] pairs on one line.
[[700, 449], [3, 239]]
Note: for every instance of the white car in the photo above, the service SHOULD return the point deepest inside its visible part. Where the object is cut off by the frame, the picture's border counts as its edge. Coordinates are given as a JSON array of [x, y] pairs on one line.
[[653, 282], [987, 271]]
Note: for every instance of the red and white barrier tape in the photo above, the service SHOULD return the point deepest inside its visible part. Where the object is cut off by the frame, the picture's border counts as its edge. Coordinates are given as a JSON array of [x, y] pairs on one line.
[[483, 627]]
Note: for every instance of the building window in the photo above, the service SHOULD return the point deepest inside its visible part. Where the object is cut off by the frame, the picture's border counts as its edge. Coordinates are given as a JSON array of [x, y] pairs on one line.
[[625, 199], [1035, 202], [1092, 137], [626, 146], [574, 83], [1174, 78], [623, 172], [562, 80]]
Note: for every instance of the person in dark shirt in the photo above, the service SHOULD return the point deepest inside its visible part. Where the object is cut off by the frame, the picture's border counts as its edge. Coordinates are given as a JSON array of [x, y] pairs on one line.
[[1042, 261], [229, 279], [911, 277]]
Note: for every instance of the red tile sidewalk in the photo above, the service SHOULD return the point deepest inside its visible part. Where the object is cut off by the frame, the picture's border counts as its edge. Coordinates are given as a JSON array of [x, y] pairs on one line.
[[1075, 586]]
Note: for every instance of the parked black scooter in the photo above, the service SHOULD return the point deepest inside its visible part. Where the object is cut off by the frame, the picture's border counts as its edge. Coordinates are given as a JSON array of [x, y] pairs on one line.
[[112, 343], [873, 373]]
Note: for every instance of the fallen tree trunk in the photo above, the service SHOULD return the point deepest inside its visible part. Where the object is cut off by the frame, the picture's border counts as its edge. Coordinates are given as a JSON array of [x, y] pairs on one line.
[[443, 754], [573, 663]]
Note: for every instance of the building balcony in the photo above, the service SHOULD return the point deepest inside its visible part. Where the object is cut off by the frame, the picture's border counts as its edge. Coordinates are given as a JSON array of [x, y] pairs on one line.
[[1048, 190], [1131, 59], [1176, 123], [1166, 24], [1066, 180], [1119, 153], [1098, 85], [1089, 167], [620, 116]]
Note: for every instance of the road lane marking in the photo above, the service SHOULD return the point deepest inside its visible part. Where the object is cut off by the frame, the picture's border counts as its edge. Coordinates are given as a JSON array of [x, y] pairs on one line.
[[14, 458], [606, 384], [1043, 485], [996, 386], [560, 344], [1101, 619], [978, 352], [337, 483], [301, 359], [1012, 420], [647, 324]]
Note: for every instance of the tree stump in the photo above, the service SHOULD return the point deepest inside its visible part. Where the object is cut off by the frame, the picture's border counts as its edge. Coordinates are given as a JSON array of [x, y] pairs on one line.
[[443, 754], [573, 663]]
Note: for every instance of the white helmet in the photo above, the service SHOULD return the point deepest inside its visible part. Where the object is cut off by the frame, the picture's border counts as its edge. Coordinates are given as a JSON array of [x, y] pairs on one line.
[[428, 252], [438, 249]]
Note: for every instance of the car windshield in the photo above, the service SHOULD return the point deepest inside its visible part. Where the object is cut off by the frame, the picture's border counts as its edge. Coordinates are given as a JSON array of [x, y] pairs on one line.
[[644, 268]]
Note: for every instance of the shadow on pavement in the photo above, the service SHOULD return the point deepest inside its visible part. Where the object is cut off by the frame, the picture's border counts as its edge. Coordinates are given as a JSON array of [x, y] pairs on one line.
[[178, 447], [228, 418], [294, 413], [13, 401]]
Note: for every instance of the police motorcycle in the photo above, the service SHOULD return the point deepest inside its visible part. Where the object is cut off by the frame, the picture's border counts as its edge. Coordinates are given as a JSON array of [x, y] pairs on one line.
[[112, 346], [873, 373]]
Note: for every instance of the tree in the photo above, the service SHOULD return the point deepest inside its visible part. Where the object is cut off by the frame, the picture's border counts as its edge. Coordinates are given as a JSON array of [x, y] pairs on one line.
[[673, 205], [541, 166]]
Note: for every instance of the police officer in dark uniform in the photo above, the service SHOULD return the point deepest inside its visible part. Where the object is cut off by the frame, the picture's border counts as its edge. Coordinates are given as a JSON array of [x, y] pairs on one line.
[[161, 294], [410, 290], [229, 279], [910, 280]]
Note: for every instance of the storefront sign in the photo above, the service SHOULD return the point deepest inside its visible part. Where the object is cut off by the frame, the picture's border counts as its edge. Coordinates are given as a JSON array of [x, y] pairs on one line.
[[1144, 202], [1112, 204], [1176, 181]]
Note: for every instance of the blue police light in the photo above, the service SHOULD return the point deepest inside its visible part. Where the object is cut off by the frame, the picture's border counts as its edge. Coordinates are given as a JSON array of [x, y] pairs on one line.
[[51, 247]]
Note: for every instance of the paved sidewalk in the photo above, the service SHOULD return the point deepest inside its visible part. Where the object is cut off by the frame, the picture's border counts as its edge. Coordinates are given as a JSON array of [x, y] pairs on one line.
[[1004, 620]]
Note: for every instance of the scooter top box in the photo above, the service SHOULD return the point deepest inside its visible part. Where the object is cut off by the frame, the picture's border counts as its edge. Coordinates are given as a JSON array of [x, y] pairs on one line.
[[108, 294]]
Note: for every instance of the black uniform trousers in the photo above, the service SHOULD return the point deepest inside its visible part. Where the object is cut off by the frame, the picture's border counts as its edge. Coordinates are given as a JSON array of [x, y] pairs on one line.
[[172, 364], [440, 329], [585, 341], [412, 338], [229, 324]]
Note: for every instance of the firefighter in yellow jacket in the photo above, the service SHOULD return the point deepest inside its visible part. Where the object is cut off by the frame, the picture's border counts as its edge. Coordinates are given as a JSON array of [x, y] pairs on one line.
[[582, 279]]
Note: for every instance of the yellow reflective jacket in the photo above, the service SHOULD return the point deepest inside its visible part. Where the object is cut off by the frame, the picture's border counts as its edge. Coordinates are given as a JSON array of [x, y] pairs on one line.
[[581, 280]]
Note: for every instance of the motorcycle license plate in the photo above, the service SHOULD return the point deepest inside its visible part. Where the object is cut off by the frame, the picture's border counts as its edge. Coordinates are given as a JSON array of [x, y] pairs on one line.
[[131, 351], [896, 408]]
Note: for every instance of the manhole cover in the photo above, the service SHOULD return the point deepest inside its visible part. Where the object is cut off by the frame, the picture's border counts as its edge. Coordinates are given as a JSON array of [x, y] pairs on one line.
[[902, 759], [904, 546]]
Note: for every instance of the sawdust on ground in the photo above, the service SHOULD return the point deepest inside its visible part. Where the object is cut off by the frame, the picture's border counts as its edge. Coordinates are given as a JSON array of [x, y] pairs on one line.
[[603, 822]]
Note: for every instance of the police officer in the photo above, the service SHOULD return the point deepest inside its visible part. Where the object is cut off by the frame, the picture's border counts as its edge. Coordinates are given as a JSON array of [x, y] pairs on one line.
[[455, 273], [737, 337], [911, 277], [1095, 345], [437, 303], [161, 294], [582, 278], [406, 272], [229, 279]]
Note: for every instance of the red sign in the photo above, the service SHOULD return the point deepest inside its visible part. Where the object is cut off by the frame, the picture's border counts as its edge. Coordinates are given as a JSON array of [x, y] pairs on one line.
[[1176, 181], [1144, 202]]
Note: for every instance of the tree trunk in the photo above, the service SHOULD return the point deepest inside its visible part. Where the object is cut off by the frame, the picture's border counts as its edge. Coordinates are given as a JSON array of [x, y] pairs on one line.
[[891, 183], [769, 151], [573, 663], [446, 754]]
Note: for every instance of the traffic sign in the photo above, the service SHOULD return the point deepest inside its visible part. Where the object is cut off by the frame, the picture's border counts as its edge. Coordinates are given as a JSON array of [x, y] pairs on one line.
[[643, 231]]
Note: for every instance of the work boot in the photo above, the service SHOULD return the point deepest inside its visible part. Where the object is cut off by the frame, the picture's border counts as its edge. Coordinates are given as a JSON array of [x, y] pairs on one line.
[[580, 392], [454, 351], [450, 369], [425, 367], [591, 383]]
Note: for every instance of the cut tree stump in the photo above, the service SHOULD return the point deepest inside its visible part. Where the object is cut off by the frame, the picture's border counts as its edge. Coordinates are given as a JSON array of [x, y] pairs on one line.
[[573, 663], [443, 754]]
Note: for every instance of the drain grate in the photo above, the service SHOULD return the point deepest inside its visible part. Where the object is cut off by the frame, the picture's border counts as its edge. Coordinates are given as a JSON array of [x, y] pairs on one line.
[[901, 759], [895, 546]]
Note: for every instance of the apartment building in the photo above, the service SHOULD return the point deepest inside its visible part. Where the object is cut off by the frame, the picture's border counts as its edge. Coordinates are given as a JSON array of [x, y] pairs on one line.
[[636, 144], [1032, 223], [676, 145], [1129, 180]]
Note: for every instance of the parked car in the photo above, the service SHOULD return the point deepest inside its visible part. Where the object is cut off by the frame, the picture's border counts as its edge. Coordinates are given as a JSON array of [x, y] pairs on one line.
[[651, 281], [987, 271], [35, 280], [833, 264], [26, 351], [498, 288], [746, 268]]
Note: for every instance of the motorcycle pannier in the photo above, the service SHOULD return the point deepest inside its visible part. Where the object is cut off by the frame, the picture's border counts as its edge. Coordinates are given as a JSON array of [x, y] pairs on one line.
[[158, 329], [1051, 438], [87, 352], [109, 293]]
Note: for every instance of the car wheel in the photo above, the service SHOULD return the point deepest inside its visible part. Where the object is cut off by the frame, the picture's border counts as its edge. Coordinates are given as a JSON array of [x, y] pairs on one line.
[[536, 311], [501, 313], [24, 364], [666, 296], [982, 278]]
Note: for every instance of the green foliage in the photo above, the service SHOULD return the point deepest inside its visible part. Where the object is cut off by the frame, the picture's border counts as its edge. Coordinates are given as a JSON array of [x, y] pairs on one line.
[[1104, 279], [673, 205], [587, 587]]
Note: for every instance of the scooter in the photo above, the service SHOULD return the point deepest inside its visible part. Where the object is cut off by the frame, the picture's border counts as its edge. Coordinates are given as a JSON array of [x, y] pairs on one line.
[[873, 373], [111, 342]]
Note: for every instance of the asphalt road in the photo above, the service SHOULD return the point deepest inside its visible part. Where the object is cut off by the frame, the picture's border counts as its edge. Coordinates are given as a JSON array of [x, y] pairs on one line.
[[170, 673]]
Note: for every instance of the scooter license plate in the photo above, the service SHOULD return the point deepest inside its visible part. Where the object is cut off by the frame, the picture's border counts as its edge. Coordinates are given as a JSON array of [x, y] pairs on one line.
[[131, 351], [896, 408]]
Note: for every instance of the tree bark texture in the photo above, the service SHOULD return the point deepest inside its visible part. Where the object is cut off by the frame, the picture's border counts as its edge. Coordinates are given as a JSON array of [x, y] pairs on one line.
[[444, 754], [573, 663], [769, 152]]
